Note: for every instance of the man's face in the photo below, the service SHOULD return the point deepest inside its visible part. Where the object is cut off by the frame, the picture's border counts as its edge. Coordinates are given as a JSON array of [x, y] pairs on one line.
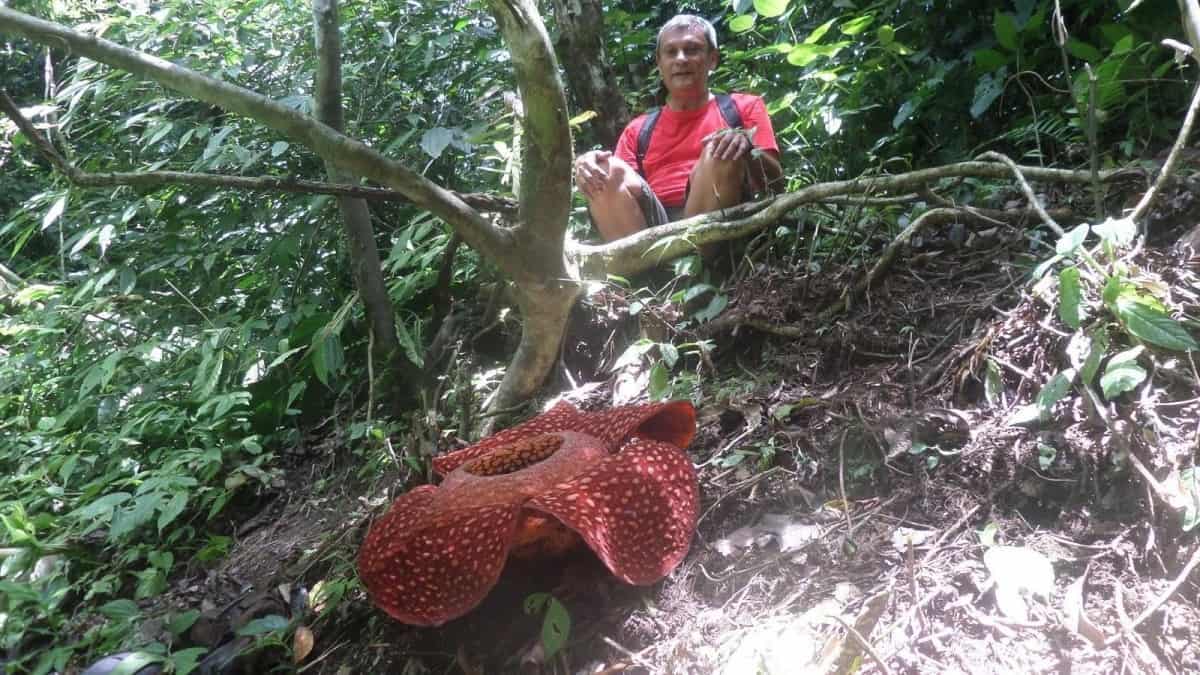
[[684, 60]]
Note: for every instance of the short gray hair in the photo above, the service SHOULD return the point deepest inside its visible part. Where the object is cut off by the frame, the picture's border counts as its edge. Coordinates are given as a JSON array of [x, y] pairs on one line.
[[689, 21]]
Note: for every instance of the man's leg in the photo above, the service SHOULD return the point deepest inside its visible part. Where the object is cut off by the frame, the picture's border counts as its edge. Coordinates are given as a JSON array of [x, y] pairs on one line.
[[618, 209], [715, 184]]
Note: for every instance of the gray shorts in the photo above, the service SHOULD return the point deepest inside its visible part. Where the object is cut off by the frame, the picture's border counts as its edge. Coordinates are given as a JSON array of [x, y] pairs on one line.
[[652, 208]]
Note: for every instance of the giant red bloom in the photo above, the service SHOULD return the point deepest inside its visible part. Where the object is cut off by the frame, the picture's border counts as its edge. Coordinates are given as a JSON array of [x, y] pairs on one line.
[[619, 479]]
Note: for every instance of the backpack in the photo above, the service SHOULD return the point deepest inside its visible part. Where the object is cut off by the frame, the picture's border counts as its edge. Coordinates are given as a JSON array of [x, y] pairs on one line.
[[724, 103]]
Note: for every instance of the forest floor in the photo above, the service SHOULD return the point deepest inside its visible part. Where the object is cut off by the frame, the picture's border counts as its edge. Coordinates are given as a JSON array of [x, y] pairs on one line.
[[864, 471]]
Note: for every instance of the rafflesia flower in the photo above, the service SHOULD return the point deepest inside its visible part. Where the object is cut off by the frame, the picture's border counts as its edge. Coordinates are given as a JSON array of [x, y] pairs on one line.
[[618, 479]]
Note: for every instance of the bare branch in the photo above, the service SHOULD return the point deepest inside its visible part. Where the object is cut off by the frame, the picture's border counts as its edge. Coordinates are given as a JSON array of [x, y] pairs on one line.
[[481, 202], [1168, 169], [633, 253]]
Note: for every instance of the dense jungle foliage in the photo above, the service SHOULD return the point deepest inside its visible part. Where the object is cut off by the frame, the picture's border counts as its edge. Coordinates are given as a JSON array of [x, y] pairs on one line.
[[162, 348]]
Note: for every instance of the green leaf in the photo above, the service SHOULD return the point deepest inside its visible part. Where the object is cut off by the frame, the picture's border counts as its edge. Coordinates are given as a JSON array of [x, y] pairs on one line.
[[129, 519], [633, 353], [1122, 373], [660, 382], [742, 23], [1189, 483], [856, 25], [987, 90], [1113, 288], [1052, 393], [1097, 346], [669, 353], [1151, 324], [120, 610], [271, 623], [714, 308], [1070, 242], [1046, 455], [886, 35], [993, 383], [168, 512], [556, 627], [1084, 51], [1005, 26], [1117, 231], [102, 508], [819, 32], [534, 602], [987, 60], [1069, 297], [803, 54], [770, 8], [55, 211], [184, 661]]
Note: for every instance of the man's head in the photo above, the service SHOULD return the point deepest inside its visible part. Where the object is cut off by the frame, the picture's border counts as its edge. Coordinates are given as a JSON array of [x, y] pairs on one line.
[[686, 50]]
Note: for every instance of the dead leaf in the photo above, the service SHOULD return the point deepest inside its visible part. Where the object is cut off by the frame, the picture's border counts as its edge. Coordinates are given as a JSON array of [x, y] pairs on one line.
[[1018, 571], [1075, 618], [302, 643], [903, 536], [786, 531]]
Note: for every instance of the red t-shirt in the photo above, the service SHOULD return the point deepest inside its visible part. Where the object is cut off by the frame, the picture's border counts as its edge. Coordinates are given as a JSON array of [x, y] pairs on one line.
[[675, 143]]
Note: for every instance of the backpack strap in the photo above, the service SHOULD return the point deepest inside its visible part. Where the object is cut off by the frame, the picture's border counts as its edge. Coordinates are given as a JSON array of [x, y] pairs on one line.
[[643, 143], [729, 111]]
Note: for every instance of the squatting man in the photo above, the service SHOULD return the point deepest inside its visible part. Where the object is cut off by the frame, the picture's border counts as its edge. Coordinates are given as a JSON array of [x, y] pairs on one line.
[[688, 162]]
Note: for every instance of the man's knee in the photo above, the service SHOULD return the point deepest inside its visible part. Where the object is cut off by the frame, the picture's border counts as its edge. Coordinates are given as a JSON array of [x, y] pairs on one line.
[[621, 183]]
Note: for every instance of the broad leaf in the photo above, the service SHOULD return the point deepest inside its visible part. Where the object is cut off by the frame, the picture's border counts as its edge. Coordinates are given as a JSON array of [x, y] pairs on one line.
[[55, 211], [1070, 242], [857, 24], [1118, 231], [1189, 483], [770, 8], [741, 23], [987, 90], [267, 624], [1122, 373], [120, 610], [1152, 324], [1069, 297], [1055, 389], [556, 627], [1005, 27]]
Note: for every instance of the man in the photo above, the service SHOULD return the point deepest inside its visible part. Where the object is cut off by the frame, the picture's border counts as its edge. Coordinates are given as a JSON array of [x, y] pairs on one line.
[[692, 164]]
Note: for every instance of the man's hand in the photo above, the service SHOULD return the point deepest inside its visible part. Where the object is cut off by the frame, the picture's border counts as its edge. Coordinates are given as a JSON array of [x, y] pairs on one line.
[[591, 172], [728, 144]]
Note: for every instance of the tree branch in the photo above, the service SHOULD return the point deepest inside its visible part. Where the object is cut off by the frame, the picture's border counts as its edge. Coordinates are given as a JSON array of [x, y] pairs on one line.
[[633, 254], [403, 376], [346, 153], [544, 197], [482, 202]]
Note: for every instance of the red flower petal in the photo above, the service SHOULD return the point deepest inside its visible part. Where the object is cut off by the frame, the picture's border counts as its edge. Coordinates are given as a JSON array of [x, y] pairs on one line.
[[637, 509], [562, 417], [673, 422], [427, 568]]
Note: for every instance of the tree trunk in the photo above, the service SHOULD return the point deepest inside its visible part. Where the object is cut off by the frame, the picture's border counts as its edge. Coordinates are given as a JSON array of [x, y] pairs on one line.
[[544, 313], [580, 47], [402, 375]]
